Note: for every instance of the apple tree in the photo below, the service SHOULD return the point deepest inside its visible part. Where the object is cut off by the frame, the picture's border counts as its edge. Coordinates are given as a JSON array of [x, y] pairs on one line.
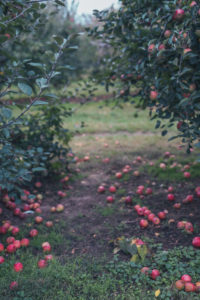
[[19, 159], [155, 46]]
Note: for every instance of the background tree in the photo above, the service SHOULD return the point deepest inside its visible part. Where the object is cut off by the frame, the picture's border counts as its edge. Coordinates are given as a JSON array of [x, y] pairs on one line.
[[155, 46]]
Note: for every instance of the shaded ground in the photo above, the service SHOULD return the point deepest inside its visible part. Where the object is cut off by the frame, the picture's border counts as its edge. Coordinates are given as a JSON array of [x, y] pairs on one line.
[[89, 223]]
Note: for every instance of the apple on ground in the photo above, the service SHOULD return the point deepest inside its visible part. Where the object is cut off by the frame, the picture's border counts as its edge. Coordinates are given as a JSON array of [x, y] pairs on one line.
[[154, 274]]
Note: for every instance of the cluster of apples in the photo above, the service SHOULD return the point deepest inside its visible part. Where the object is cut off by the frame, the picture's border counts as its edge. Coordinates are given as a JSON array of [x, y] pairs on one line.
[[144, 211], [187, 226], [112, 189], [186, 283]]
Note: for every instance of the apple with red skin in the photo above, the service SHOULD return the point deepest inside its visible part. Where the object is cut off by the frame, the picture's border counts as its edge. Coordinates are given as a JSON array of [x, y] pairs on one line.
[[48, 257], [46, 247], [53, 209], [153, 95], [167, 33], [7, 224], [18, 267], [33, 233], [186, 278], [170, 197], [181, 224], [190, 287], [188, 199], [38, 219], [150, 217], [118, 175], [137, 206], [147, 212], [151, 48], [1, 260], [16, 211], [49, 224], [17, 244], [59, 207], [10, 240], [110, 199], [140, 211], [128, 200], [196, 242], [112, 189], [154, 274], [149, 191], [178, 14], [38, 184], [197, 190], [25, 242], [3, 230], [101, 189], [143, 223], [13, 285], [26, 207], [1, 247], [189, 227], [187, 174], [177, 205], [179, 284], [156, 221], [42, 263], [162, 215], [193, 3], [15, 230], [11, 248], [136, 173], [170, 189], [145, 270]]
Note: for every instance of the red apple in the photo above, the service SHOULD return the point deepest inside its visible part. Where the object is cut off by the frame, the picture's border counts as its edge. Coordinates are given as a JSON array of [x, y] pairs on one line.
[[118, 175], [196, 242], [177, 205], [162, 215], [193, 3], [49, 224], [42, 263], [151, 216], [189, 227], [179, 284], [151, 48], [101, 189], [18, 267], [16, 211], [1, 260], [143, 223], [11, 248], [178, 14], [110, 199], [153, 95], [154, 274], [48, 257], [112, 189], [1, 247], [167, 33], [33, 233], [128, 200], [145, 270], [25, 242], [17, 244], [187, 174], [170, 197], [38, 184], [13, 285], [190, 287], [10, 240], [59, 207], [38, 219], [161, 47], [15, 230], [186, 278], [46, 247], [53, 209], [156, 221]]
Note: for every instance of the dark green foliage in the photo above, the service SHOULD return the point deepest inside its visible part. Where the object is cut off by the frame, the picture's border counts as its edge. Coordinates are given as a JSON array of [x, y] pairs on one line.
[[173, 74]]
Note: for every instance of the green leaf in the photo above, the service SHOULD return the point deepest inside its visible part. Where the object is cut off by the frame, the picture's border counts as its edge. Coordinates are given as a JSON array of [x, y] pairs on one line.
[[38, 169], [25, 88], [42, 82]]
